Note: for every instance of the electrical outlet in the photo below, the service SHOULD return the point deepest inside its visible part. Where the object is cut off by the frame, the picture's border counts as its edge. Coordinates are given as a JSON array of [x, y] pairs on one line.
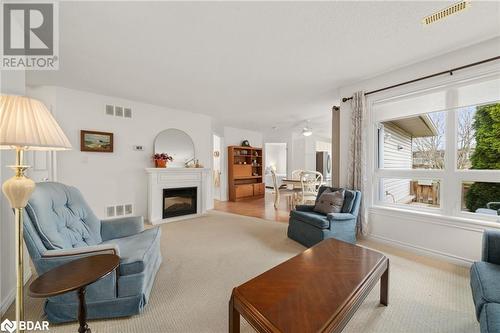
[[139, 148]]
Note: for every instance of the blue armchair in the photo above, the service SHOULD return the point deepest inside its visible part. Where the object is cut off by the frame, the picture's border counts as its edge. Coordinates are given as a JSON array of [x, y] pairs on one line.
[[309, 227], [60, 227], [485, 283]]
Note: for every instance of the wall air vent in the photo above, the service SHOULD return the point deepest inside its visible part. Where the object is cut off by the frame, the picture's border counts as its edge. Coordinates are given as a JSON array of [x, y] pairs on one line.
[[118, 111], [453, 9], [110, 211], [127, 113], [110, 110]]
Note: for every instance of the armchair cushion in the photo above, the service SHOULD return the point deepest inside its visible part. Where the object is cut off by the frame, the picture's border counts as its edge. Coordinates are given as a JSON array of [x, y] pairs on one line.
[[68, 222], [485, 284], [330, 202], [137, 251], [121, 227], [317, 220], [349, 197]]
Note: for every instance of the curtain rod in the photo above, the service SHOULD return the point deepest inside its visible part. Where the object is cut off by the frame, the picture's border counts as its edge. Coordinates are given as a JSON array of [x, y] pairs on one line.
[[450, 71]]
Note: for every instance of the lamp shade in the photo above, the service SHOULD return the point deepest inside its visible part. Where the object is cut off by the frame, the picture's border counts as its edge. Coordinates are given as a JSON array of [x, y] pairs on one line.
[[26, 122]]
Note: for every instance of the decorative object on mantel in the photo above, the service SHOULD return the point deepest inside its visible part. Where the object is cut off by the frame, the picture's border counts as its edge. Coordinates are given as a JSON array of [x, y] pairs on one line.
[[161, 160], [194, 163], [245, 143], [93, 141]]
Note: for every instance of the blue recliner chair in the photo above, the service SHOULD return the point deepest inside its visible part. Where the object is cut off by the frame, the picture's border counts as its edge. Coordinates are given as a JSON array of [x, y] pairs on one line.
[[60, 227], [485, 283], [309, 227]]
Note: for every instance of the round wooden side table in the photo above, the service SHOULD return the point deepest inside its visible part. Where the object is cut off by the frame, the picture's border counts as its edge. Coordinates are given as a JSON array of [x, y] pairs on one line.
[[75, 275]]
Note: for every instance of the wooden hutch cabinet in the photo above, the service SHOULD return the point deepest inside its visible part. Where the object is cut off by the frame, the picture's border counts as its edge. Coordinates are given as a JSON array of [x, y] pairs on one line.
[[245, 173]]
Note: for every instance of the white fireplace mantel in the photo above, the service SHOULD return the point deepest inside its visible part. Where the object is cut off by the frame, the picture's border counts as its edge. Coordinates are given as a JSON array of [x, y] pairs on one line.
[[164, 178]]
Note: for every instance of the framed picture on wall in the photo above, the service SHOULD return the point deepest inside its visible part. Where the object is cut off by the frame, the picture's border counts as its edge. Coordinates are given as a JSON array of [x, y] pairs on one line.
[[101, 142]]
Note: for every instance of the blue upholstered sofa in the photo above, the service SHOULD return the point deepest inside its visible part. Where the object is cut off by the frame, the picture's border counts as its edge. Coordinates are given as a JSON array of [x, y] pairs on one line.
[[60, 227], [309, 227], [485, 283]]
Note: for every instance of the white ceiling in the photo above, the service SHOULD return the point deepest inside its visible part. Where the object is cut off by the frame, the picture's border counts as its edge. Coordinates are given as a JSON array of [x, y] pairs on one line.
[[250, 64]]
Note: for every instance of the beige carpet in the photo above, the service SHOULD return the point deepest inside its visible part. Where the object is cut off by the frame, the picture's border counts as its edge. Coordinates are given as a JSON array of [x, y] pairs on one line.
[[204, 258]]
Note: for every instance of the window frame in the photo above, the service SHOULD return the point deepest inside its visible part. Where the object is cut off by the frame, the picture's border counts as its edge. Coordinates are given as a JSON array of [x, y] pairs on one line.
[[451, 177]]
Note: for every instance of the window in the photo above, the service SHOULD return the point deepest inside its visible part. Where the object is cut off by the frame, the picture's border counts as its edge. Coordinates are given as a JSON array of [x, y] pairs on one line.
[[444, 141], [411, 192], [481, 198], [416, 142]]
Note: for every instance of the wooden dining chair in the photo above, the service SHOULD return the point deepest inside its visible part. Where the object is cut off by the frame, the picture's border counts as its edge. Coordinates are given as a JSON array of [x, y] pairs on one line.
[[289, 194], [310, 183]]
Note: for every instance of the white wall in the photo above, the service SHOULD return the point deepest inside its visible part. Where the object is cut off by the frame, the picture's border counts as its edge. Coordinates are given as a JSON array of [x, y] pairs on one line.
[[275, 155], [118, 177], [301, 150], [233, 136], [431, 234]]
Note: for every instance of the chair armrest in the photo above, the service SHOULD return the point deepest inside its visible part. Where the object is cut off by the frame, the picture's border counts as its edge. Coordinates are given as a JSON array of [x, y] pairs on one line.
[[490, 205], [52, 258], [121, 227], [491, 247], [91, 250], [340, 216], [305, 208]]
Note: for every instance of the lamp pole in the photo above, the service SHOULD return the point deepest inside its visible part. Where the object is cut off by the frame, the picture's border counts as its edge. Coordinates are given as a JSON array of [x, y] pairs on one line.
[[18, 189]]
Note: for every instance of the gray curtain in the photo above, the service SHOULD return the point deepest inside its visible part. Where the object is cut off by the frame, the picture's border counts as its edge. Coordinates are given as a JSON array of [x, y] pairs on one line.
[[356, 178]]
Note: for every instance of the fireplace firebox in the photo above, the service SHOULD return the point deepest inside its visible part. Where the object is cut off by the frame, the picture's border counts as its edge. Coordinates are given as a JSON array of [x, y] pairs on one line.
[[179, 201]]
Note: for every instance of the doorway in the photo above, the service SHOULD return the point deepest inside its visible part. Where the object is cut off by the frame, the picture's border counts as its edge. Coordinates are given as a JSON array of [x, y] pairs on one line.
[[276, 158], [217, 153]]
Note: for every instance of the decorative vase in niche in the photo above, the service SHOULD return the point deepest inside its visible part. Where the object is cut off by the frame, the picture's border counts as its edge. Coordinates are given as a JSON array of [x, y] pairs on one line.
[[161, 163]]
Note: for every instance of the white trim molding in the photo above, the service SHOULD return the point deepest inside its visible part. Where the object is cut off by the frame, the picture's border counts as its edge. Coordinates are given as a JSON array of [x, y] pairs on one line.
[[457, 240], [11, 296], [422, 250]]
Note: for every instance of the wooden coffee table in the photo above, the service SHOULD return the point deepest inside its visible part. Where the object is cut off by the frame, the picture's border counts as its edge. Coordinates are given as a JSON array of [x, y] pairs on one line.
[[75, 275], [318, 290]]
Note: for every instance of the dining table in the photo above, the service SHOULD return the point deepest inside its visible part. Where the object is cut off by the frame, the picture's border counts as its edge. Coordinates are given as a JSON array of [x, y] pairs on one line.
[[292, 181]]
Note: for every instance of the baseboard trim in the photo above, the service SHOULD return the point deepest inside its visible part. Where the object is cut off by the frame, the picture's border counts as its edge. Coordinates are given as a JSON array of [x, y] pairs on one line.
[[11, 297], [422, 250]]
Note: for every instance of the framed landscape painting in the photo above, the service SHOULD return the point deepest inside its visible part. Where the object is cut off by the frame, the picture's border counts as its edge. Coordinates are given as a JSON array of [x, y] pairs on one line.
[[101, 142]]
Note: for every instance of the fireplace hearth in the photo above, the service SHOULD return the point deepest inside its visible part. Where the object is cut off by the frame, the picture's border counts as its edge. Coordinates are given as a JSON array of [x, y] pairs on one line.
[[179, 201]]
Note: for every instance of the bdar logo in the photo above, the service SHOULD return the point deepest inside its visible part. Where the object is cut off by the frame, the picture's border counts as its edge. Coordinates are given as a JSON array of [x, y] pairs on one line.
[[8, 326]]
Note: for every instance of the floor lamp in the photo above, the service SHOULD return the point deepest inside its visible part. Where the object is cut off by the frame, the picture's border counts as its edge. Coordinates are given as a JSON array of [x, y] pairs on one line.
[[25, 124]]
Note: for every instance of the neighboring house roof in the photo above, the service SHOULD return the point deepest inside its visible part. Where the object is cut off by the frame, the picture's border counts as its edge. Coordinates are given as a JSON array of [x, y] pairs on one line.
[[417, 127]]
